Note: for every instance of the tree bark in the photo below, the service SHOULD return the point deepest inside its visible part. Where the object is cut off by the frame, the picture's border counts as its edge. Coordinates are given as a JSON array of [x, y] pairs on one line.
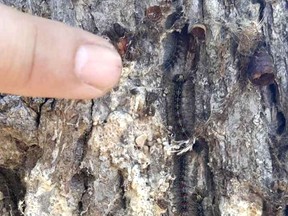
[[194, 127]]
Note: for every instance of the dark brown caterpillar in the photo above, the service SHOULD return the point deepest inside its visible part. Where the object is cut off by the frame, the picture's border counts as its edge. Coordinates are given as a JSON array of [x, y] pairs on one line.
[[172, 51], [180, 131], [188, 199], [189, 194], [182, 189], [176, 46]]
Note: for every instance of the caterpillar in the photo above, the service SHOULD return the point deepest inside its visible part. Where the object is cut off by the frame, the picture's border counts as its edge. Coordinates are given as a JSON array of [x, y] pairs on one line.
[[181, 186], [175, 46], [180, 131]]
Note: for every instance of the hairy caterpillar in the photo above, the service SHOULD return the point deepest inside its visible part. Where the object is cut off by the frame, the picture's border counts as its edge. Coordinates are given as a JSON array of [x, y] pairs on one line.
[[181, 132]]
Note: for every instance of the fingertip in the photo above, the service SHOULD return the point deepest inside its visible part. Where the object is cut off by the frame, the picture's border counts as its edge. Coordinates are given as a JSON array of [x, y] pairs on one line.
[[98, 66]]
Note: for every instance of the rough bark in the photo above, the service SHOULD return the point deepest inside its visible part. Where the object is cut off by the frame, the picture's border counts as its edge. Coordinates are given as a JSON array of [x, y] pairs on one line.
[[184, 133]]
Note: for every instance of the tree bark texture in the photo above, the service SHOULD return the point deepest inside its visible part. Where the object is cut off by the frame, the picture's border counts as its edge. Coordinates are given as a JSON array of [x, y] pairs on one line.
[[185, 132]]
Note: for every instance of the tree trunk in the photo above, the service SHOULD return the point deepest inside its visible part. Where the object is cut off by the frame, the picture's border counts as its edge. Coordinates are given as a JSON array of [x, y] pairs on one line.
[[197, 125]]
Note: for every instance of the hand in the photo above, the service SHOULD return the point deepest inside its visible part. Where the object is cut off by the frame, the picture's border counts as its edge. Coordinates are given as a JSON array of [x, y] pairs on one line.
[[44, 58]]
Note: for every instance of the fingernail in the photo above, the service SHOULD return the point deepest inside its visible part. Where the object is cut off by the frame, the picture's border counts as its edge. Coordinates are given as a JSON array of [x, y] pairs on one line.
[[98, 66]]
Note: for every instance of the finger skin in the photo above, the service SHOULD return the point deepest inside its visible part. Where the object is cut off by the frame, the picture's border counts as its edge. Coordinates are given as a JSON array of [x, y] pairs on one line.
[[39, 57]]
